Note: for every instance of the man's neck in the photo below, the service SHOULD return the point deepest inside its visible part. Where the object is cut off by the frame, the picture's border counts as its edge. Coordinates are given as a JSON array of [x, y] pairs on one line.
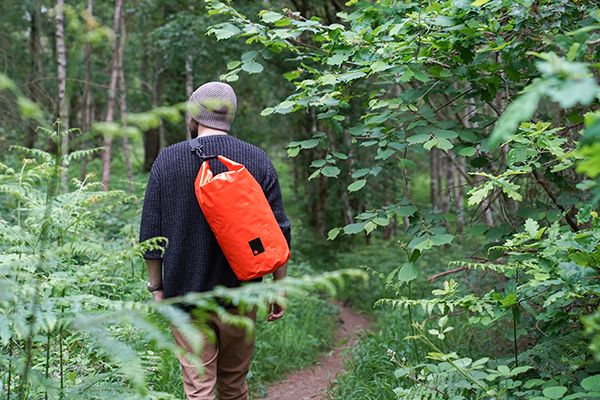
[[206, 131]]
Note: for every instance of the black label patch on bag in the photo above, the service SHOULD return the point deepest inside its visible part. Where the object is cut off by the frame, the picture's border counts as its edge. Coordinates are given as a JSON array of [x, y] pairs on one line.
[[256, 246]]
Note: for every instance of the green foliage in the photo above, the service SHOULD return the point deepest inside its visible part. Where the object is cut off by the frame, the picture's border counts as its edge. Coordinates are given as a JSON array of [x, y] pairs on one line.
[[74, 321]]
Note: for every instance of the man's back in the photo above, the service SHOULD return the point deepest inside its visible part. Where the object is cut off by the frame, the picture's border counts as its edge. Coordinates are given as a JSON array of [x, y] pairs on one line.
[[193, 261]]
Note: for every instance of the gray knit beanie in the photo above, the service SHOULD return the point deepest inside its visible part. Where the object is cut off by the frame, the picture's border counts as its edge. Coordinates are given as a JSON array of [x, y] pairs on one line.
[[213, 105]]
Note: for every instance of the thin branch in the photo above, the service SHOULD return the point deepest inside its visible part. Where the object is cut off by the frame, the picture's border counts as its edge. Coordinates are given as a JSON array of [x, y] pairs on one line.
[[550, 193]]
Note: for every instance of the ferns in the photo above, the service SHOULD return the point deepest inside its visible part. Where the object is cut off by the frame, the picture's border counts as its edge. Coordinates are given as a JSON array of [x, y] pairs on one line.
[[69, 288]]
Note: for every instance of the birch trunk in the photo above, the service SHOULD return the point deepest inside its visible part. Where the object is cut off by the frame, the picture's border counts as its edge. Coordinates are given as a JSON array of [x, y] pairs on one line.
[[112, 89], [61, 80]]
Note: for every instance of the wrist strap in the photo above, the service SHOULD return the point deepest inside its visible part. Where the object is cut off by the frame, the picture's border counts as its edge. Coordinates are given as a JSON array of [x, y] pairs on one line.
[[154, 288]]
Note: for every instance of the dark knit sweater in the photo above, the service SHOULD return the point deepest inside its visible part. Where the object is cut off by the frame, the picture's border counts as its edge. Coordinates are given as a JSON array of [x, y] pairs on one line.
[[193, 261]]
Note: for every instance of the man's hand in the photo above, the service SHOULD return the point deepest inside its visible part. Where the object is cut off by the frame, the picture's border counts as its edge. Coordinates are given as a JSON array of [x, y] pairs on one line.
[[276, 312], [158, 295]]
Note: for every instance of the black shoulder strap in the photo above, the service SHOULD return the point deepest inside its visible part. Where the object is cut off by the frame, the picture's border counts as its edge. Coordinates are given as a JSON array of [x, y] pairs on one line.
[[196, 148]]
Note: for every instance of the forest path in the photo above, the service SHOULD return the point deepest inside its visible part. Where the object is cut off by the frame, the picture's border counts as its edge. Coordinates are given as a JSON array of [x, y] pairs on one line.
[[312, 383]]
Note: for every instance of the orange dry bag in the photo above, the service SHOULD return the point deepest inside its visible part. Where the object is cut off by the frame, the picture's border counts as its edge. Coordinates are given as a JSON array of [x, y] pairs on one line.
[[241, 218]]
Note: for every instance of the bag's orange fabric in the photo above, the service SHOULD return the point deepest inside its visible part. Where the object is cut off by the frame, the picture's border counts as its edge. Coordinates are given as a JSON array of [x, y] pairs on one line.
[[242, 220]]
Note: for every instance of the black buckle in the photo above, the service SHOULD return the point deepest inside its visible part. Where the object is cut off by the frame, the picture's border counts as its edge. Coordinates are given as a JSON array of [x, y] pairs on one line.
[[197, 149]]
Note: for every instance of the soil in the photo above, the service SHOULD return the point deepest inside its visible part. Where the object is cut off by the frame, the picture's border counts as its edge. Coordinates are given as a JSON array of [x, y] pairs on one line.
[[312, 383]]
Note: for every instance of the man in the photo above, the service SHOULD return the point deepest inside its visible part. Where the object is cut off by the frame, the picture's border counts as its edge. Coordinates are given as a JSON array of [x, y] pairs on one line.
[[193, 260]]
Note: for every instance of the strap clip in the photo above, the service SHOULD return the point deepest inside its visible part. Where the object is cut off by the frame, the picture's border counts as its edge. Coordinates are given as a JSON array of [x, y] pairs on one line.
[[197, 149]]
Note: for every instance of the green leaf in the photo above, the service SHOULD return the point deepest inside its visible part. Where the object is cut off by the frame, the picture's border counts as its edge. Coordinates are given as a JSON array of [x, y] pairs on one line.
[[444, 144], [408, 272], [338, 58], [420, 138], [555, 392], [384, 154], [428, 145], [356, 186], [406, 76], [420, 75], [332, 234], [504, 370], [420, 243], [353, 229], [28, 108], [370, 226], [271, 16], [293, 151], [226, 30], [317, 163], [351, 76], [467, 152], [267, 111], [379, 66], [359, 173], [591, 383], [327, 79], [381, 221], [405, 211], [478, 194], [532, 227], [442, 239], [285, 107], [330, 171], [521, 109], [233, 64], [309, 143], [252, 67]]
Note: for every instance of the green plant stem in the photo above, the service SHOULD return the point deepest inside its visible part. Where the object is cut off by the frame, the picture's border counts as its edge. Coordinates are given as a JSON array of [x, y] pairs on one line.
[[453, 364], [411, 321], [26, 368], [514, 315], [60, 350], [47, 374], [9, 380]]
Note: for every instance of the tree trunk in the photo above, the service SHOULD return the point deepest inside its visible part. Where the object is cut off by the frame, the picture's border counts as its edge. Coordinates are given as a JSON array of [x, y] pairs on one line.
[[459, 201], [123, 104], [112, 89], [61, 80], [441, 166], [87, 92], [152, 137], [189, 84], [36, 69], [433, 180], [450, 182]]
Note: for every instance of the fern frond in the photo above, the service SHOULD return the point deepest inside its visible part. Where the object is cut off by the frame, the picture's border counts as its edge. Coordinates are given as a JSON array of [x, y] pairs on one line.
[[37, 153], [79, 154], [499, 268]]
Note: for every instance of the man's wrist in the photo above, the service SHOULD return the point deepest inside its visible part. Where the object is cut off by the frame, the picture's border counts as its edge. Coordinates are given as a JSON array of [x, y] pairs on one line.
[[154, 288]]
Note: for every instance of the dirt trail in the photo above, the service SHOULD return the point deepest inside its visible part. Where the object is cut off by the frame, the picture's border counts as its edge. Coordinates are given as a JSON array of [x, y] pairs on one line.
[[312, 383]]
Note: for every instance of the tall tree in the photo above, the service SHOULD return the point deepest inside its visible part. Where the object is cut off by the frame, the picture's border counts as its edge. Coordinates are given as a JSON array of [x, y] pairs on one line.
[[123, 103], [112, 89], [189, 80], [87, 92], [61, 80], [36, 69]]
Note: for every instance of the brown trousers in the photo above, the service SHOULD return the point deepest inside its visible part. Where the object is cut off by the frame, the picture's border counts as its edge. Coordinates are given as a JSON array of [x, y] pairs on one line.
[[226, 363]]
